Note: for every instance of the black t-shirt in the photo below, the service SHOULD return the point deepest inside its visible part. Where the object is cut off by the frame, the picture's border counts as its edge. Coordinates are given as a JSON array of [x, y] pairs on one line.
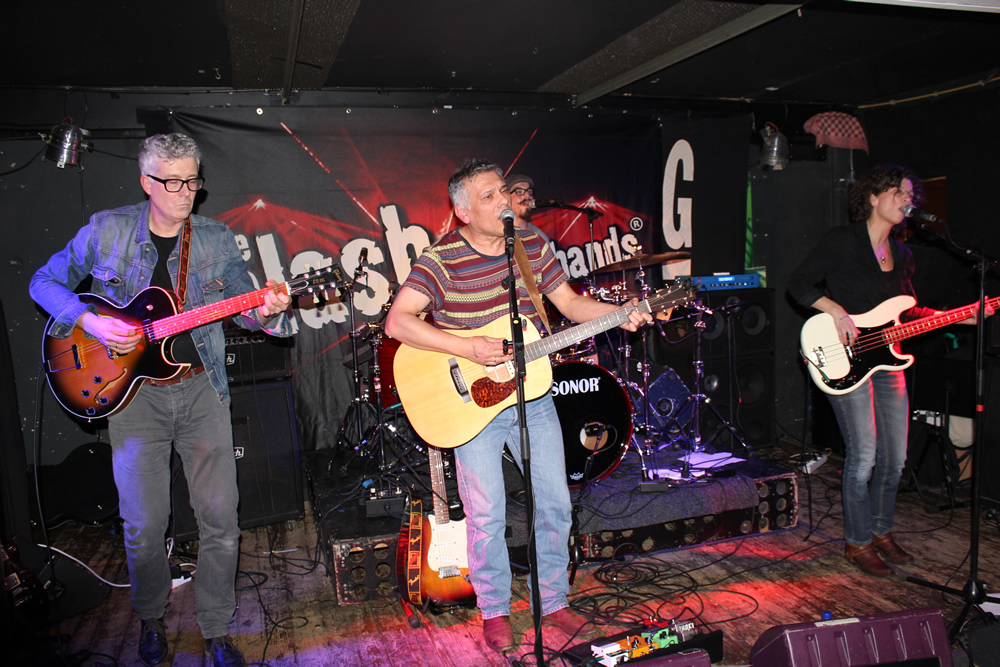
[[181, 349]]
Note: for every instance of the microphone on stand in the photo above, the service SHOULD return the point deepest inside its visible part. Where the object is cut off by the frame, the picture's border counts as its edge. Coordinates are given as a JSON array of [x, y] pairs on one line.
[[544, 203], [507, 216], [363, 257]]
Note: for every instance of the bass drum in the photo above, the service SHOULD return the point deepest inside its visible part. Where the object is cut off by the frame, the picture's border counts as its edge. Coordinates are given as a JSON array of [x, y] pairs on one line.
[[596, 418]]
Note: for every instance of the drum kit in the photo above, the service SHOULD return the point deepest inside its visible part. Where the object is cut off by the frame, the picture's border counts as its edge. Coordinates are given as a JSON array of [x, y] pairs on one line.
[[602, 412]]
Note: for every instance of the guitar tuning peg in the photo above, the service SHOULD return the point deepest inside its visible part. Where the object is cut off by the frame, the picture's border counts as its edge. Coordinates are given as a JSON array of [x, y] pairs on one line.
[[316, 299], [326, 295]]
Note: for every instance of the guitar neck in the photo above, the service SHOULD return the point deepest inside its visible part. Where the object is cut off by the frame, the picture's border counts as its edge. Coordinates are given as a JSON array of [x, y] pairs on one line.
[[555, 342], [175, 324], [916, 327], [438, 488]]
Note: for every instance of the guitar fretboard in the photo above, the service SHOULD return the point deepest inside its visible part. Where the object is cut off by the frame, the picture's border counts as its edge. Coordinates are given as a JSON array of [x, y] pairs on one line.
[[917, 327]]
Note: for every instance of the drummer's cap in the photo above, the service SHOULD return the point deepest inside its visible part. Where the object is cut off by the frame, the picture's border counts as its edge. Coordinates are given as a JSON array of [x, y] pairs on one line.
[[519, 178]]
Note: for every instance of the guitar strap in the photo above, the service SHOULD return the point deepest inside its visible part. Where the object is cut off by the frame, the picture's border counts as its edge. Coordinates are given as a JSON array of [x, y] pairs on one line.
[[182, 270], [524, 267]]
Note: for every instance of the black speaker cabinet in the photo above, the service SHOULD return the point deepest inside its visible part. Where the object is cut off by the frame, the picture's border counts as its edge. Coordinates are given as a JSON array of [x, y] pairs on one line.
[[989, 449], [737, 351], [268, 460], [252, 356], [742, 322]]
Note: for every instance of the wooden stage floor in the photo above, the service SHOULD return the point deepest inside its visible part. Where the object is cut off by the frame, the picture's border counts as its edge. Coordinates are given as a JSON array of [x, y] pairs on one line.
[[289, 612]]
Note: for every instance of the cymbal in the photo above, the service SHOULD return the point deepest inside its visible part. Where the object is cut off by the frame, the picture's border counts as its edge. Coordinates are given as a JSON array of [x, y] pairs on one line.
[[635, 261]]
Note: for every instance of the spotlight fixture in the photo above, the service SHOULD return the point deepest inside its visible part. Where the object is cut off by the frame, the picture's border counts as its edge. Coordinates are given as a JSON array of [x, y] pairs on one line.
[[66, 143], [775, 151]]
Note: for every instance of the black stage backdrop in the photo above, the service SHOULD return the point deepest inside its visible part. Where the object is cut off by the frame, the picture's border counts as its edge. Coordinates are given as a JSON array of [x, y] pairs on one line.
[[302, 187]]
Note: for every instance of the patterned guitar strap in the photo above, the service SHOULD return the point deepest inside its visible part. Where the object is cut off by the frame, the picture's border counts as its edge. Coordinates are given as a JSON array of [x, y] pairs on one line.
[[524, 267], [182, 270]]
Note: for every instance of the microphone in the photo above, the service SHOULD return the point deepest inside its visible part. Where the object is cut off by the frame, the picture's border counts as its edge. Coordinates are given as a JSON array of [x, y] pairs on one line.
[[507, 216], [911, 211], [543, 203], [363, 258]]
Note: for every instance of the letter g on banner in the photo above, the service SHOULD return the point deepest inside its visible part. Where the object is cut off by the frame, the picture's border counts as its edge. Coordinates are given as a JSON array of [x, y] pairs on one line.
[[677, 233]]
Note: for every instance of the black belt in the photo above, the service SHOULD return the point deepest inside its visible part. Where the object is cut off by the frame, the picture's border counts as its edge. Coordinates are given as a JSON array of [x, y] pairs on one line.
[[191, 372]]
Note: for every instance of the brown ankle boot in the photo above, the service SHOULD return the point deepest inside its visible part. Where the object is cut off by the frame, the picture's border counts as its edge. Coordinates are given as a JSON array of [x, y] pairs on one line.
[[498, 634], [866, 559], [890, 551]]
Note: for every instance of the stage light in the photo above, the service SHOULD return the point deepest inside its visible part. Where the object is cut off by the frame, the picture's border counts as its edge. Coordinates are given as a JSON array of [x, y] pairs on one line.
[[66, 143], [775, 151]]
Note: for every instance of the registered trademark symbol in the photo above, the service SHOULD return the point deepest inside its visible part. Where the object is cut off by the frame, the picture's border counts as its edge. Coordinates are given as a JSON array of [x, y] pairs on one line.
[[635, 224]]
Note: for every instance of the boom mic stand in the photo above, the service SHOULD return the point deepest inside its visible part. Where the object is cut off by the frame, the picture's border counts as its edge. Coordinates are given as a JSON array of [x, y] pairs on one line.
[[974, 591]]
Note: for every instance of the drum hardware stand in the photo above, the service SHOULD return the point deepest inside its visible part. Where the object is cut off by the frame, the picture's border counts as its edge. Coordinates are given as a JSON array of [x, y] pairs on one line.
[[354, 417], [696, 400]]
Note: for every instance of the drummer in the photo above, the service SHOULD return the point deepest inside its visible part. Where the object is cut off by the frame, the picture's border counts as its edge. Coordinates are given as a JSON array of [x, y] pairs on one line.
[[522, 201]]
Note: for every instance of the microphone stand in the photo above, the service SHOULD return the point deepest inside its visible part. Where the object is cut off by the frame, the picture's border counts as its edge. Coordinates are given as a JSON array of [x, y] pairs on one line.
[[517, 334], [974, 591]]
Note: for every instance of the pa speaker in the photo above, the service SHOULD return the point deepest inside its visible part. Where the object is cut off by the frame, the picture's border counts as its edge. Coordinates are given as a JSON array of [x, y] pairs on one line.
[[741, 322], [742, 392], [988, 449], [912, 638], [268, 460]]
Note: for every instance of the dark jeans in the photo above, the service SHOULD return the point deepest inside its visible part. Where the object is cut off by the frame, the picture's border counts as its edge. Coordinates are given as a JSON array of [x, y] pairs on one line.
[[188, 417]]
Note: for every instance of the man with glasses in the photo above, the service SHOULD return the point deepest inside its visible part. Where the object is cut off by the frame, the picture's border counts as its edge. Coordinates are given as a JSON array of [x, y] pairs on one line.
[[522, 202], [126, 250]]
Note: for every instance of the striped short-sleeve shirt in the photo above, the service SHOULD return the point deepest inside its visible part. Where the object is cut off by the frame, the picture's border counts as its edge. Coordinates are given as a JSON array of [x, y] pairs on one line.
[[466, 288]]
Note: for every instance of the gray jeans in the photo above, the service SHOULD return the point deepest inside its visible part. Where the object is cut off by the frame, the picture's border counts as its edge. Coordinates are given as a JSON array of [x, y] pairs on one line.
[[188, 417]]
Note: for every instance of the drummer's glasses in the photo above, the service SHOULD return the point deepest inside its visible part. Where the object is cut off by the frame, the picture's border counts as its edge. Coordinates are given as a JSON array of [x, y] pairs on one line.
[[520, 192]]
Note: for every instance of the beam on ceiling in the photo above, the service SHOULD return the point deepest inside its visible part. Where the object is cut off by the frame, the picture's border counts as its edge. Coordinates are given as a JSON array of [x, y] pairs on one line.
[[684, 30]]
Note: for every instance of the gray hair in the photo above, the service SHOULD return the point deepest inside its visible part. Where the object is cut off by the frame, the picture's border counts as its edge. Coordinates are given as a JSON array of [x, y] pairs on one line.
[[168, 147], [466, 172]]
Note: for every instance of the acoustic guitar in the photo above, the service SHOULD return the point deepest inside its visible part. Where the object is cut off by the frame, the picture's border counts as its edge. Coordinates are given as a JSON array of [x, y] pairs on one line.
[[449, 399]]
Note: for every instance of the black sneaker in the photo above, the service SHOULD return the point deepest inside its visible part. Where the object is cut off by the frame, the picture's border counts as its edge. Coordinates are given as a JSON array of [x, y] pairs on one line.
[[152, 642], [224, 653]]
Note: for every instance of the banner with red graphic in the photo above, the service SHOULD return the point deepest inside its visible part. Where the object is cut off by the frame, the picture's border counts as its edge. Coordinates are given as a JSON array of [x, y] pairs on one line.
[[304, 187]]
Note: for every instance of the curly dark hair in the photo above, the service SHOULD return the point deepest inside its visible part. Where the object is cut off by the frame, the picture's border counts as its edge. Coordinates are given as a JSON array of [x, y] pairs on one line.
[[881, 179]]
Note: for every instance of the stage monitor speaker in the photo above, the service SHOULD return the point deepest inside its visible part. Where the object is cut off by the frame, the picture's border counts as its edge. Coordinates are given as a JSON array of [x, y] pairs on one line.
[[252, 356], [911, 638], [742, 391], [268, 460]]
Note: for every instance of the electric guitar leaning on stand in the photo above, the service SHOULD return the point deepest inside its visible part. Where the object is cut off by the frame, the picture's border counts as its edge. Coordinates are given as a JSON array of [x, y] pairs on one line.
[[431, 556], [838, 369]]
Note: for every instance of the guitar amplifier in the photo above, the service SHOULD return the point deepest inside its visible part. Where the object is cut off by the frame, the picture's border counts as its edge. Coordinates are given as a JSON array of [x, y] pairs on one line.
[[253, 356]]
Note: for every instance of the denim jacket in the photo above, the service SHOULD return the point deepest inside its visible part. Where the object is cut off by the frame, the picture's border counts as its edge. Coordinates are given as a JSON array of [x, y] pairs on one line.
[[116, 249]]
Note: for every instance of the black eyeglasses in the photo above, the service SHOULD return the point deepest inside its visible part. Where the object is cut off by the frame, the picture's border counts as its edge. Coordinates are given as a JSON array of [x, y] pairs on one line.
[[522, 191], [175, 184]]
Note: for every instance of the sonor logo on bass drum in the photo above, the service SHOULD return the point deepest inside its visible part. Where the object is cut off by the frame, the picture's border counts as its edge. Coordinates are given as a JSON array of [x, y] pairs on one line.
[[582, 386]]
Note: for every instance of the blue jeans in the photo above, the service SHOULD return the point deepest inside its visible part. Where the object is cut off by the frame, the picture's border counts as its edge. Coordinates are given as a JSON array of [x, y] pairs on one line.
[[189, 417], [481, 484], [874, 420]]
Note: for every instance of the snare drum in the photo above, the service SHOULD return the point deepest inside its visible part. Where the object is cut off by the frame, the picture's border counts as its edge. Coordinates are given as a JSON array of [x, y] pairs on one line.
[[596, 418]]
